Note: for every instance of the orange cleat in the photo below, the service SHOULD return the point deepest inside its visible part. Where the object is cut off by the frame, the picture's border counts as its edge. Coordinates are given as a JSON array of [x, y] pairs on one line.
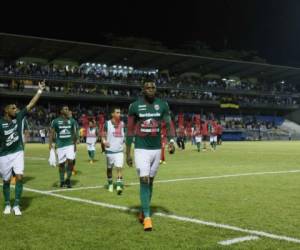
[[147, 224]]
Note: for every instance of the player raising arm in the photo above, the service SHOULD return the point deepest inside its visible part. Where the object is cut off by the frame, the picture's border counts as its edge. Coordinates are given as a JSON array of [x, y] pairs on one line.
[[12, 149]]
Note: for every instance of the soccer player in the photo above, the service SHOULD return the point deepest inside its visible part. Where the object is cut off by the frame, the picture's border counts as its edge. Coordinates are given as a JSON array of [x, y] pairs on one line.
[[43, 135], [204, 133], [91, 139], [63, 130], [113, 139], [144, 127], [198, 137], [212, 130], [12, 149], [74, 172], [219, 133]]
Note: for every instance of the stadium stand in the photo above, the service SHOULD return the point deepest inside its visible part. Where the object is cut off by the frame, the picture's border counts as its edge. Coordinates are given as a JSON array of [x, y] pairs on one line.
[[251, 100]]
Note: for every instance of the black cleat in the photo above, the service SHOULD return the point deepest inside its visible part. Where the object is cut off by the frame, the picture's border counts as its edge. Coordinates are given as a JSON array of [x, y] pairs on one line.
[[62, 184], [68, 183]]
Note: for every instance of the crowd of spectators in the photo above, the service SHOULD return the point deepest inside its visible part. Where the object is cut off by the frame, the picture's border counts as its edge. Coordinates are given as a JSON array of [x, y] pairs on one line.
[[100, 73]]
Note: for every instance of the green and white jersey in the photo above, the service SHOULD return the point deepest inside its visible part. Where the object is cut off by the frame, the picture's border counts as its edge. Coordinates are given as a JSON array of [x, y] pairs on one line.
[[11, 134], [65, 131], [115, 136], [147, 119]]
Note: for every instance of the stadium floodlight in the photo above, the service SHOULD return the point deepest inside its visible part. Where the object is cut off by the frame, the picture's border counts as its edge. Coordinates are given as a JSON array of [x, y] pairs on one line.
[[88, 64], [104, 65], [125, 67], [120, 67], [130, 68], [283, 82], [99, 65], [114, 66], [93, 64]]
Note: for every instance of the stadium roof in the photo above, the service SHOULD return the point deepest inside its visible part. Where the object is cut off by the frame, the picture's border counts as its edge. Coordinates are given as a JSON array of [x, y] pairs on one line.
[[17, 46]]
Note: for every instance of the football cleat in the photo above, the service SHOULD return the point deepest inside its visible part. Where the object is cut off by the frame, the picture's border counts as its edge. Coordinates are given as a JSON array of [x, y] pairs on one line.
[[147, 224], [7, 209], [110, 188], [17, 211]]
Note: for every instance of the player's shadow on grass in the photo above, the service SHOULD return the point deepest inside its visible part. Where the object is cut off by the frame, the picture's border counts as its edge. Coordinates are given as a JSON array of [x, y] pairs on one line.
[[26, 201], [27, 179], [73, 182], [154, 209]]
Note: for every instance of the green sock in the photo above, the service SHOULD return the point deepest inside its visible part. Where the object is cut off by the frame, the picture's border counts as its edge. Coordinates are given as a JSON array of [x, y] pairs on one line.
[[69, 172], [109, 181], [6, 193], [120, 182], [145, 198], [62, 174], [92, 154], [151, 189], [198, 146], [18, 192]]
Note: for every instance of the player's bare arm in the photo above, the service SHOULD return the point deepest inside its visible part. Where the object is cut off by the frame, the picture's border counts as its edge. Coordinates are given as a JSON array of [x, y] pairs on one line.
[[34, 100]]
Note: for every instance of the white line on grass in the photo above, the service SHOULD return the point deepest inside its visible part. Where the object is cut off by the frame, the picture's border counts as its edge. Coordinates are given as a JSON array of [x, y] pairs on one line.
[[74, 189], [188, 179], [237, 240], [35, 158], [172, 216]]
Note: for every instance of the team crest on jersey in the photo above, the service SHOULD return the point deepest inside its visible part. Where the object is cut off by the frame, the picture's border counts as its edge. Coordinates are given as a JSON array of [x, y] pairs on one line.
[[156, 107]]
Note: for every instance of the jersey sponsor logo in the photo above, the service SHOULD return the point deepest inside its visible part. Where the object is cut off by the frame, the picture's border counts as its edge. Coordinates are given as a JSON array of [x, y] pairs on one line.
[[64, 133], [12, 130], [156, 107], [11, 139], [157, 114], [149, 126], [64, 127]]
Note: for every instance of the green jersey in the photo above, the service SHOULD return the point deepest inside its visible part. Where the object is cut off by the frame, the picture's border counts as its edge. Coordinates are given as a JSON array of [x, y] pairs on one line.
[[76, 127], [65, 131], [11, 134], [144, 123]]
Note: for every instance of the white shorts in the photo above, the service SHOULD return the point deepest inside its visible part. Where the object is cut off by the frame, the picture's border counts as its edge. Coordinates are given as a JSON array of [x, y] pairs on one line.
[[65, 153], [213, 138], [14, 161], [198, 139], [115, 160], [90, 146], [147, 161]]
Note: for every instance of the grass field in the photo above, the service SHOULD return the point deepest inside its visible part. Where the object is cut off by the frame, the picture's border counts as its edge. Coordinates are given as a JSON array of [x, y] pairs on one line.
[[252, 189]]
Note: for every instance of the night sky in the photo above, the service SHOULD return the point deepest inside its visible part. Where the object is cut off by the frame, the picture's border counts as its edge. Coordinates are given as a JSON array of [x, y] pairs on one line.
[[270, 27]]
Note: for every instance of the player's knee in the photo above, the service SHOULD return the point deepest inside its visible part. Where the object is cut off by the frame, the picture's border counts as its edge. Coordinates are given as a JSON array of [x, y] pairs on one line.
[[145, 179], [19, 177]]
